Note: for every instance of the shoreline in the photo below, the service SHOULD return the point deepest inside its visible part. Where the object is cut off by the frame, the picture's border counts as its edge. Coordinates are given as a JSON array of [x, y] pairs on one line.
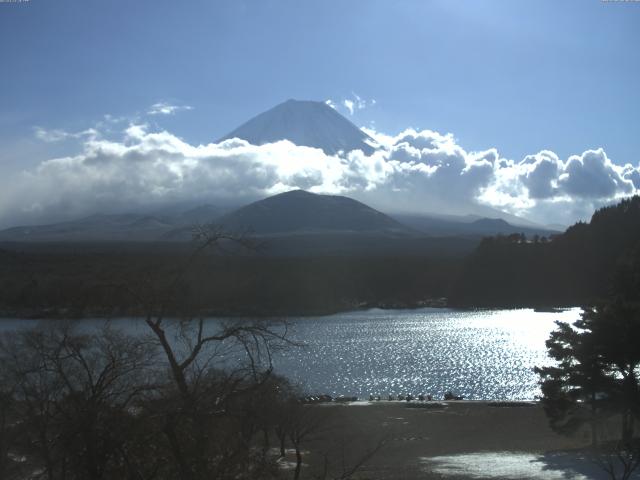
[[434, 403], [70, 314]]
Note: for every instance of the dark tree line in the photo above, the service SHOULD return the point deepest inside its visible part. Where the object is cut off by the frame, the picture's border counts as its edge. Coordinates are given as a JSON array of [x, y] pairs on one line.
[[569, 269], [504, 271], [67, 282]]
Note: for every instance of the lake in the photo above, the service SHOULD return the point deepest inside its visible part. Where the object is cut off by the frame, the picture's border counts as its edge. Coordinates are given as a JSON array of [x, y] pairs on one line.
[[483, 355]]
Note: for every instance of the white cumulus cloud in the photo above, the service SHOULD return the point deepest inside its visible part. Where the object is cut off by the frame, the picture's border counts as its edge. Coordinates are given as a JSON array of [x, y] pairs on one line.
[[415, 170]]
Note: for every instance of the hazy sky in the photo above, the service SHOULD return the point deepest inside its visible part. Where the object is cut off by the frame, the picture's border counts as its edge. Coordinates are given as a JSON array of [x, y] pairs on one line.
[[519, 77]]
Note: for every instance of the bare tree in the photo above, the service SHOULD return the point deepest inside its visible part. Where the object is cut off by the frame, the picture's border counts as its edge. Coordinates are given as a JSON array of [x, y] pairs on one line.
[[73, 393], [215, 367], [320, 429], [8, 465], [303, 421]]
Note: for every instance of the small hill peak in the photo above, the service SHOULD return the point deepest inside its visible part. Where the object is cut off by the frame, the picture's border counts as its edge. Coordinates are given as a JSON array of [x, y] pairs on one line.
[[301, 211]]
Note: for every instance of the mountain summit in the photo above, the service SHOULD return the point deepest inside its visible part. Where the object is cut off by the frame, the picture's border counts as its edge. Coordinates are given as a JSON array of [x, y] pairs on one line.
[[305, 123]]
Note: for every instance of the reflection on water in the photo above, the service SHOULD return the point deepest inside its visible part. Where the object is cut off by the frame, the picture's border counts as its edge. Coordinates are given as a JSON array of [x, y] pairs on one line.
[[481, 355], [511, 465], [484, 355]]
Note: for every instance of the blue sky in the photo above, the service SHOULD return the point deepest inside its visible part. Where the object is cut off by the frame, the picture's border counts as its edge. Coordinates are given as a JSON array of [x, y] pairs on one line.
[[517, 76]]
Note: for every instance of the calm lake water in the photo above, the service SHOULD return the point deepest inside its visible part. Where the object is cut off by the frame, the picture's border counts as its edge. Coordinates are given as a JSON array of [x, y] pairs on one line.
[[483, 355]]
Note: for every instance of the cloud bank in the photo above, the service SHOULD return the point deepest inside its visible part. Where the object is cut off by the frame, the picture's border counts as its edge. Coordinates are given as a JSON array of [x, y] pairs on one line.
[[415, 171]]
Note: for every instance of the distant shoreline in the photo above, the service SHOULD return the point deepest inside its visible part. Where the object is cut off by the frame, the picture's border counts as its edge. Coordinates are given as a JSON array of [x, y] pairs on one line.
[[61, 313]]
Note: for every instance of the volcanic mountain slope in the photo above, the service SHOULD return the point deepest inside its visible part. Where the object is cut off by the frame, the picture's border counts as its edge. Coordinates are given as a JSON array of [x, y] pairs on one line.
[[125, 227], [305, 123], [298, 211]]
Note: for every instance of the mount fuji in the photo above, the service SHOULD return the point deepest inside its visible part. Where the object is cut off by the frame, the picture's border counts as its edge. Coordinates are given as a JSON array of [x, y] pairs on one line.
[[305, 123]]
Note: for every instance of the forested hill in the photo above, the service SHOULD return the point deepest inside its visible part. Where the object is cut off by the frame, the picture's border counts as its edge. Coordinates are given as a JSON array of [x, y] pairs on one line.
[[572, 268]]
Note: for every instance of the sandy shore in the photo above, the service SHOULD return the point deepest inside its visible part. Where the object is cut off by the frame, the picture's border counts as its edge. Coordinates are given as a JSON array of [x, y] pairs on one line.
[[463, 439]]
